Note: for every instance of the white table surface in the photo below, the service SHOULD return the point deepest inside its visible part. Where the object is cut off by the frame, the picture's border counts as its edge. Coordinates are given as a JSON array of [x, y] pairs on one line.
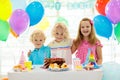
[[43, 74]]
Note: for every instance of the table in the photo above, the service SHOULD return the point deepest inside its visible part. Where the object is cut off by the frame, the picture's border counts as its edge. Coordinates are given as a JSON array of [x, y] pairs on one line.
[[43, 74]]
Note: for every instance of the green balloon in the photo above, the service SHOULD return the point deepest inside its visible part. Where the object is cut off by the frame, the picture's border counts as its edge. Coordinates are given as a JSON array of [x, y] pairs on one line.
[[117, 32], [62, 20], [4, 30]]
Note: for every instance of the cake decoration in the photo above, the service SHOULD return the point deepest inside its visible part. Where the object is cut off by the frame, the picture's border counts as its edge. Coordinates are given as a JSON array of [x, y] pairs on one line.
[[90, 62], [48, 61], [55, 64]]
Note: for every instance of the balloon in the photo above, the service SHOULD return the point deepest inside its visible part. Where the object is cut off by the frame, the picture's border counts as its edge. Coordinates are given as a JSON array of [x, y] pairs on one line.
[[102, 26], [4, 30], [13, 33], [111, 71], [35, 11], [117, 32], [18, 4], [44, 24], [62, 20], [100, 6], [112, 11], [4, 1], [57, 6], [19, 21], [5, 10]]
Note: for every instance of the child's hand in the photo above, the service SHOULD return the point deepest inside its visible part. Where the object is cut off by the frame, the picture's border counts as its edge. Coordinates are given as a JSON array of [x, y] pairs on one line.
[[29, 53]]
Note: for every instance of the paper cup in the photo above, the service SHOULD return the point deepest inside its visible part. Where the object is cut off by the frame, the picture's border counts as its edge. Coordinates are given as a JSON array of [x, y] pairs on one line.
[[28, 65]]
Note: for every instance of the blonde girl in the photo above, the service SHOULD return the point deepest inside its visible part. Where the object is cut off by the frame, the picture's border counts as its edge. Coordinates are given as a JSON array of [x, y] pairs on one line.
[[60, 46]]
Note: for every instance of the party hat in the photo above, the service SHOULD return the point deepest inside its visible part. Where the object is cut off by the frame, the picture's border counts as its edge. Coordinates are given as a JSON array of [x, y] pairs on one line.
[[22, 59]]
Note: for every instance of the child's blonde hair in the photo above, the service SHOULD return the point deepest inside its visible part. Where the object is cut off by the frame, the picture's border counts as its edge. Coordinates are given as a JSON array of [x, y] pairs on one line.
[[92, 37], [37, 33], [63, 27]]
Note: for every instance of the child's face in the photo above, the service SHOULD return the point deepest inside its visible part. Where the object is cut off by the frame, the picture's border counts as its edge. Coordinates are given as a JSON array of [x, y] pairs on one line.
[[38, 41], [59, 35], [85, 28]]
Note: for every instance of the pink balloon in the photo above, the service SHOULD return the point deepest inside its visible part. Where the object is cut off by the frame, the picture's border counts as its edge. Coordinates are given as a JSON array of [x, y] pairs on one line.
[[112, 11], [19, 21]]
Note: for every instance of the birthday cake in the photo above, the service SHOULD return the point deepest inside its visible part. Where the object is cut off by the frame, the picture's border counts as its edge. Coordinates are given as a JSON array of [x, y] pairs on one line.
[[54, 62]]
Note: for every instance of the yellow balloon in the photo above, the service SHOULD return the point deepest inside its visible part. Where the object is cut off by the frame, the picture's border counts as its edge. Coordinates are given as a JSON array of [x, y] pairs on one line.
[[4, 1], [43, 24], [5, 10]]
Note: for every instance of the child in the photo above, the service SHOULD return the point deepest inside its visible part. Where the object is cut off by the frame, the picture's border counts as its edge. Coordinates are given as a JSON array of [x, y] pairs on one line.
[[86, 39], [40, 52], [60, 46]]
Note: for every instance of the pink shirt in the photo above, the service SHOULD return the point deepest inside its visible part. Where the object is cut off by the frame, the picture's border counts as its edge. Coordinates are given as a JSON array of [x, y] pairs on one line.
[[82, 50]]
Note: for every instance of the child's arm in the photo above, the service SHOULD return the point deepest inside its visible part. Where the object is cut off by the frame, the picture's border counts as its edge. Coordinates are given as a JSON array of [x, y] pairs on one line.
[[29, 53], [73, 47], [30, 57], [99, 55]]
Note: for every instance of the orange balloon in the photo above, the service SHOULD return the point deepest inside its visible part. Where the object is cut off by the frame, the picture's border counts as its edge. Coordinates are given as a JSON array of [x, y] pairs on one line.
[[100, 6], [5, 78], [13, 33]]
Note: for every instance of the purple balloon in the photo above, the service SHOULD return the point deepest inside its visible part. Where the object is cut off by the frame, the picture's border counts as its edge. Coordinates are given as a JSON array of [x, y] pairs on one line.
[[19, 21], [112, 11]]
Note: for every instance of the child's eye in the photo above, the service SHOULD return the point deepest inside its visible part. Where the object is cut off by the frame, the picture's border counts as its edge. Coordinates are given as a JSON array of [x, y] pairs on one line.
[[40, 40], [57, 33], [62, 34], [35, 39], [87, 26], [82, 26]]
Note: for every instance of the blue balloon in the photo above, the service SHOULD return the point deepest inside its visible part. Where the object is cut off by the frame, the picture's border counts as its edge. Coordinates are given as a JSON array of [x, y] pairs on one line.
[[103, 26], [111, 71], [35, 11]]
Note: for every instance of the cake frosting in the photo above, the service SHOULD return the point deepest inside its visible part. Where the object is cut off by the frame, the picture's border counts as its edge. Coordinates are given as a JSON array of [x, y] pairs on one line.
[[53, 62]]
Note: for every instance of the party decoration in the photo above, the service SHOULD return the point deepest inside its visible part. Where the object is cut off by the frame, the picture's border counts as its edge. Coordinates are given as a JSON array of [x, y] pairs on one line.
[[19, 21], [18, 4], [62, 20], [112, 11], [22, 59], [35, 11], [111, 71], [5, 10], [90, 60], [57, 6], [117, 32], [4, 30], [85, 4], [4, 1], [13, 33], [5, 78], [100, 6], [103, 26], [44, 24]]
